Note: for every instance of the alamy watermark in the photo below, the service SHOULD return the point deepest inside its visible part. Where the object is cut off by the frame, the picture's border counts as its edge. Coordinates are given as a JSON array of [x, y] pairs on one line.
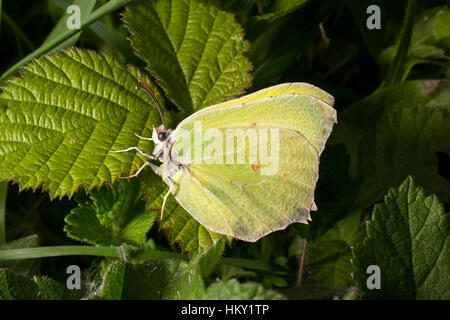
[[258, 147]]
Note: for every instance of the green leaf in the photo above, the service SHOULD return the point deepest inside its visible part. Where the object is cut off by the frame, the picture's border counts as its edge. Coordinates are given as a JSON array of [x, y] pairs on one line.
[[407, 142], [328, 258], [22, 267], [408, 238], [16, 287], [169, 280], [311, 290], [208, 261], [233, 290], [162, 279], [115, 215], [50, 289], [195, 52], [112, 283], [3, 193], [65, 116], [400, 132], [182, 228]]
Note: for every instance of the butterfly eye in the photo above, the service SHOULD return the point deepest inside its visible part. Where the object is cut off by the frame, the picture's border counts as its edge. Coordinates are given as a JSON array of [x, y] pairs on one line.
[[161, 136]]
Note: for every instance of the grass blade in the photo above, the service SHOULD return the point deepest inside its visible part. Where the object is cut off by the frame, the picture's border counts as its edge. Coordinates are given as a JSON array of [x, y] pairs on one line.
[[86, 7], [93, 17]]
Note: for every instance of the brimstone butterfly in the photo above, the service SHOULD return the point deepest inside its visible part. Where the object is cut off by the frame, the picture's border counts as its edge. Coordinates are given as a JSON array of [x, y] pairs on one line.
[[224, 177]]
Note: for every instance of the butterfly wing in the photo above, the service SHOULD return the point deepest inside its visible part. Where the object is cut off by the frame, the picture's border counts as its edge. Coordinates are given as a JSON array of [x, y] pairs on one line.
[[238, 199]]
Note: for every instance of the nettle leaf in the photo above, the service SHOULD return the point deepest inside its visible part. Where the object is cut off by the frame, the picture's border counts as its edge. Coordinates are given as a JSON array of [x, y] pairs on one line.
[[208, 261], [195, 51], [112, 281], [115, 215], [17, 287], [401, 131], [50, 289], [191, 235], [328, 258], [408, 238], [408, 142], [65, 115], [233, 290], [153, 279], [171, 280]]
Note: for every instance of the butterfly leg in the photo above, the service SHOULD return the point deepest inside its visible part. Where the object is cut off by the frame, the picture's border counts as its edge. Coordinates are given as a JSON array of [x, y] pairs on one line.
[[170, 183], [144, 138], [164, 203], [138, 150], [137, 172]]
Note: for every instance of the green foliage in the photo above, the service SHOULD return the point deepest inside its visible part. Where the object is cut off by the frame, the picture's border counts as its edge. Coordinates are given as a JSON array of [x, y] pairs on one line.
[[58, 128], [400, 131], [430, 40], [232, 289], [408, 238], [328, 258], [171, 280], [114, 216], [195, 52], [65, 112]]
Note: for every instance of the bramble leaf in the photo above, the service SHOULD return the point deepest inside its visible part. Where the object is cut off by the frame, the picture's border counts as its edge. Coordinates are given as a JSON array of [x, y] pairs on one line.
[[170, 280], [115, 215], [233, 290], [328, 258], [401, 131], [409, 239], [17, 287], [195, 51], [65, 115]]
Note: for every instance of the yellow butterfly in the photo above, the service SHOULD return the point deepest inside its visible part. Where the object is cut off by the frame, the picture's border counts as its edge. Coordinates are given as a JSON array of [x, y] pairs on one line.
[[249, 166]]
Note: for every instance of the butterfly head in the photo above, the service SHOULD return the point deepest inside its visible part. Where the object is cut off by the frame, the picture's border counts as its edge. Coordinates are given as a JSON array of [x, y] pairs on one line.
[[162, 139]]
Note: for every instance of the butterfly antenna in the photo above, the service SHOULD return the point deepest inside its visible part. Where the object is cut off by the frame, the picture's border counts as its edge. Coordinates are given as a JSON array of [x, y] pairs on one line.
[[148, 90]]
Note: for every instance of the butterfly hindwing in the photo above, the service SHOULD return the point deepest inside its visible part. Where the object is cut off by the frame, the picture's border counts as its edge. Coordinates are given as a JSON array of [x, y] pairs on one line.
[[248, 200]]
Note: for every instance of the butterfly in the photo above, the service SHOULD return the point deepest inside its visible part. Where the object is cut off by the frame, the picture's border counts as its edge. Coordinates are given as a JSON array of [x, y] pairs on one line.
[[249, 166]]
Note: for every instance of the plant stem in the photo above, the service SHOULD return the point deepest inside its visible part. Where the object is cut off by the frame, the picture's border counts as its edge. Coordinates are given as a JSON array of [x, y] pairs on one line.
[[94, 16], [301, 263], [56, 251], [397, 71], [117, 252], [3, 192]]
